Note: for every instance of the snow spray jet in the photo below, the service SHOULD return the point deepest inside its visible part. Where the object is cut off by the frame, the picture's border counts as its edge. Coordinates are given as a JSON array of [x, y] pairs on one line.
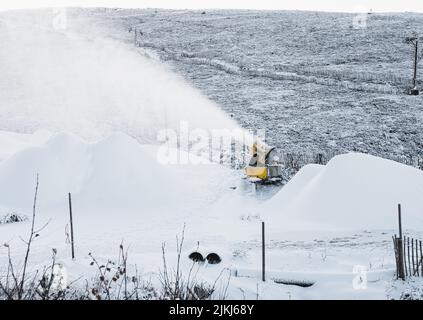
[[189, 145], [62, 79]]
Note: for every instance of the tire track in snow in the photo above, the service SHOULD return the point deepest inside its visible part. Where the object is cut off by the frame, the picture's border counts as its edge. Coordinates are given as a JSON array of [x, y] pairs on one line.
[[333, 78]]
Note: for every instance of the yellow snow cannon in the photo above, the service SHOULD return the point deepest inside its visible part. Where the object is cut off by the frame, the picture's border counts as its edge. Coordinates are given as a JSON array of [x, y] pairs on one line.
[[264, 164]]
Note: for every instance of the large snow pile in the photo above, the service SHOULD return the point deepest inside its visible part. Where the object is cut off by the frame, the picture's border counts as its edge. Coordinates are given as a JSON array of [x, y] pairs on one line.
[[352, 191], [116, 173], [12, 142]]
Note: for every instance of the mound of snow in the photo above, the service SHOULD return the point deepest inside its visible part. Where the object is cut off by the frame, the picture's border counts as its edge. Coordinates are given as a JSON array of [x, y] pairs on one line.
[[355, 191], [116, 173], [11, 142]]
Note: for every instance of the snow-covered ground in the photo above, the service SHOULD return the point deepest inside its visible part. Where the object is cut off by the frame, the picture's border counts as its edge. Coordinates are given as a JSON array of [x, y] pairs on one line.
[[321, 227], [83, 111]]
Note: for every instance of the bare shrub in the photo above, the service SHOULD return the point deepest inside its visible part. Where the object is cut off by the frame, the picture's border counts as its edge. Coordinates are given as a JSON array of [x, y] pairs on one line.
[[176, 286], [113, 282], [13, 217], [19, 284]]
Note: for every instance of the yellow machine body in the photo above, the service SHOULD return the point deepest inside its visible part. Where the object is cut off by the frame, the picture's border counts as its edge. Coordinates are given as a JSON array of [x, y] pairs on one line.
[[262, 165], [256, 172]]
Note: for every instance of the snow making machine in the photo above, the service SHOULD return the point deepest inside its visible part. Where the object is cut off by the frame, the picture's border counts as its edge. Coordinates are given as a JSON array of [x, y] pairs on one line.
[[264, 164]]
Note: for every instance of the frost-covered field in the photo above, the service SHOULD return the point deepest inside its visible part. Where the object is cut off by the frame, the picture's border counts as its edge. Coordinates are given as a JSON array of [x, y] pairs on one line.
[[82, 108], [313, 81]]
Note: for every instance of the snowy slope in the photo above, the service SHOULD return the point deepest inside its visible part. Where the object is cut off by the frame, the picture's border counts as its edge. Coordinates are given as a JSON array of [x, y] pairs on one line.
[[352, 191], [313, 90], [58, 81]]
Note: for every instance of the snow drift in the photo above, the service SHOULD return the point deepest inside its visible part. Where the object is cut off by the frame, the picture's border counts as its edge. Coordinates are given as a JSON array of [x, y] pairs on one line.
[[351, 191], [116, 173], [12, 142]]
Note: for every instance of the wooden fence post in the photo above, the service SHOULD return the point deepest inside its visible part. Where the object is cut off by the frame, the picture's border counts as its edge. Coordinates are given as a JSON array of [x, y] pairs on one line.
[[71, 225], [404, 256], [421, 257], [412, 257], [263, 253], [408, 256], [400, 248], [417, 259], [395, 242]]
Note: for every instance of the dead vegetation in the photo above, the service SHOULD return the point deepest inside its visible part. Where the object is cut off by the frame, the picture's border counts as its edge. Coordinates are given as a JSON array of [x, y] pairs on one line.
[[112, 279]]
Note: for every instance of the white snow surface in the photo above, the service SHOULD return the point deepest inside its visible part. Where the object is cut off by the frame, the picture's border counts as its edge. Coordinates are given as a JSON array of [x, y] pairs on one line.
[[115, 173], [12, 142], [353, 191], [101, 121], [122, 193]]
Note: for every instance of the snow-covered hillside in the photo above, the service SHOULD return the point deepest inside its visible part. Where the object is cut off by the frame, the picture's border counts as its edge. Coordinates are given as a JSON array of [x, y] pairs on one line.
[[82, 107], [311, 79]]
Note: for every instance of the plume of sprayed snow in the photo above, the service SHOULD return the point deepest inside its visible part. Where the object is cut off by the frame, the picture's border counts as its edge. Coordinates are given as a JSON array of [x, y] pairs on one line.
[[83, 83]]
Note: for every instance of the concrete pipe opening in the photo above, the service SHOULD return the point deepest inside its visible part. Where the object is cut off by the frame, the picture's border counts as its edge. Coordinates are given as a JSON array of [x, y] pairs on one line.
[[213, 258], [196, 257]]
